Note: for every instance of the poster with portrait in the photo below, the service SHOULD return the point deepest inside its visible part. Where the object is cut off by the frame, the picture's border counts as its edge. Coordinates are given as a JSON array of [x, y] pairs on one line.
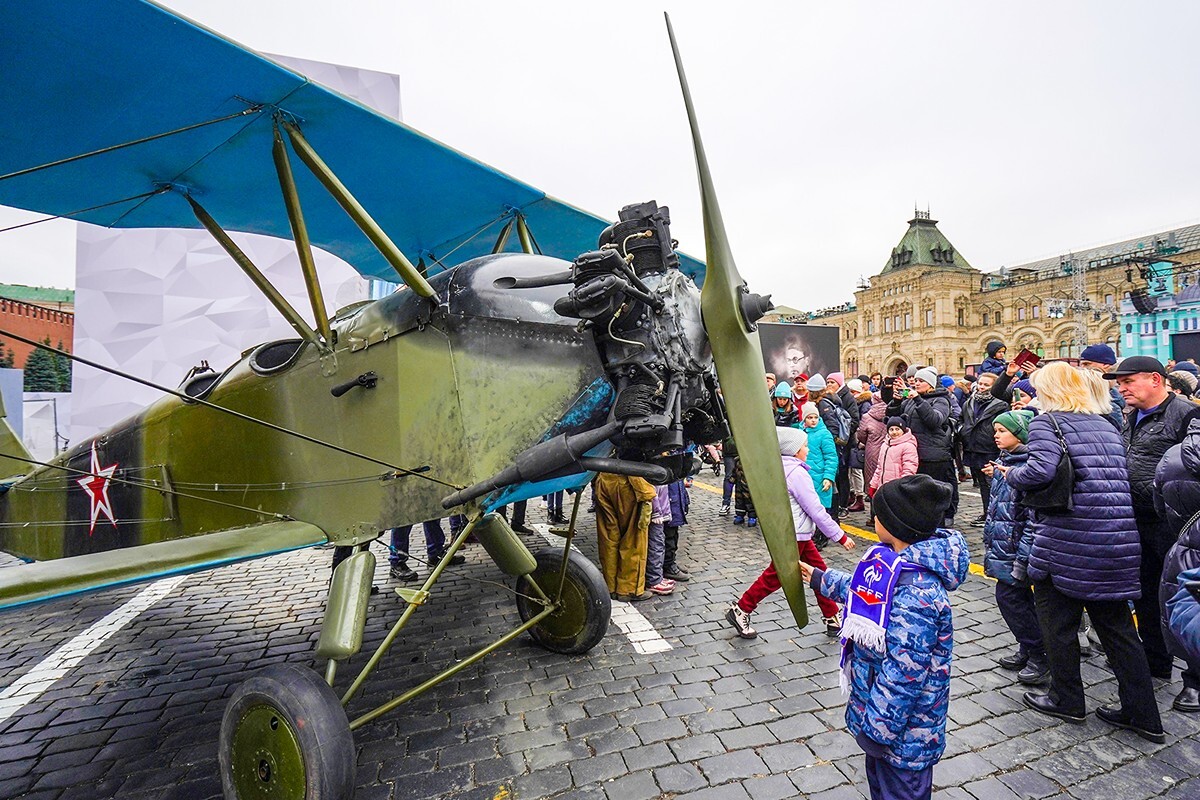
[[790, 350]]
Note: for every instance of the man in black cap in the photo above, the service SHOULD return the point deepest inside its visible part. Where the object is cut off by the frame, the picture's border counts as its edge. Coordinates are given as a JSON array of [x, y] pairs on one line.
[[1157, 420]]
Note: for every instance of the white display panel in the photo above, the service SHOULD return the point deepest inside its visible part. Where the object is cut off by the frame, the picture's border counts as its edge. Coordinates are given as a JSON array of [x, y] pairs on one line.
[[155, 302]]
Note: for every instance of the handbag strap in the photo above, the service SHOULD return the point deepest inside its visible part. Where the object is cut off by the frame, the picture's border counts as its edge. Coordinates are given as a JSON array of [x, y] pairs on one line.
[[1061, 439]]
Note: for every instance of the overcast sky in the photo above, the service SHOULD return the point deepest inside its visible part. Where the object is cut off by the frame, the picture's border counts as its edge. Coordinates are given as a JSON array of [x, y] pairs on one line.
[[1028, 128]]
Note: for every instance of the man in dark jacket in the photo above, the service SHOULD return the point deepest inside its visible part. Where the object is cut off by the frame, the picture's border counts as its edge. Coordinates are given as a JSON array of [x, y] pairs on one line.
[[926, 409], [1157, 419], [1177, 499], [836, 383], [978, 436]]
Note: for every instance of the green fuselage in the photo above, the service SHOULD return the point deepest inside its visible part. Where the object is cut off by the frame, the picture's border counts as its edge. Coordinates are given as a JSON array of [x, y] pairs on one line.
[[463, 387]]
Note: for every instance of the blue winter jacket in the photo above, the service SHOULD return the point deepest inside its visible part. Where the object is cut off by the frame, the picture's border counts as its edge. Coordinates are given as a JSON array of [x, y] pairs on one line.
[[822, 460], [680, 502], [900, 698], [1177, 501], [1094, 552], [1007, 537], [994, 365], [1184, 615]]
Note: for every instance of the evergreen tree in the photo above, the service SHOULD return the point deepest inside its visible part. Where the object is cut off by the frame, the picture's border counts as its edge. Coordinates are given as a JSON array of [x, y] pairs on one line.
[[41, 373], [7, 359], [63, 368]]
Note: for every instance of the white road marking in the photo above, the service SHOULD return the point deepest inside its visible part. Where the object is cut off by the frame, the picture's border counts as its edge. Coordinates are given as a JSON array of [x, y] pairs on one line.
[[973, 494], [55, 666], [641, 634]]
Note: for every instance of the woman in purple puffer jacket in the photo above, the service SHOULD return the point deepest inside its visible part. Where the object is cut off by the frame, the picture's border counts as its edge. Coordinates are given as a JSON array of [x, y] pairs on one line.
[[1087, 558]]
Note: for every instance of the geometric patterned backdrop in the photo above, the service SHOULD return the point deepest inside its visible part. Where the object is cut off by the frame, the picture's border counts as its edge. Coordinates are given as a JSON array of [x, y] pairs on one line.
[[155, 302]]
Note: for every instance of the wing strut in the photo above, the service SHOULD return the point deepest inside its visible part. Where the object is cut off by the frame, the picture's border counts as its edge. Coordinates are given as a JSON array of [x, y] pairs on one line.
[[291, 199], [269, 291], [339, 192]]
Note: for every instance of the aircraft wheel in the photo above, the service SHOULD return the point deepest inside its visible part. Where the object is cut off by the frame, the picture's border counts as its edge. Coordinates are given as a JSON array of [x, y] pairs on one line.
[[582, 619], [284, 736]]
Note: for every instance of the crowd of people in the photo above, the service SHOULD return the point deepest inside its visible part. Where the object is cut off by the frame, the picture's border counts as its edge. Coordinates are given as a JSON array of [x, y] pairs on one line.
[[1090, 479]]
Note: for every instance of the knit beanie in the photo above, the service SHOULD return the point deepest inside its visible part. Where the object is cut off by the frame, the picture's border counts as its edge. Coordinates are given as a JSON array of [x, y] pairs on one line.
[[808, 408], [837, 378], [854, 385], [816, 383], [927, 374], [1099, 353], [1016, 423], [947, 381], [911, 372], [1026, 386], [993, 347], [912, 507], [791, 440], [1188, 367], [897, 422], [783, 390]]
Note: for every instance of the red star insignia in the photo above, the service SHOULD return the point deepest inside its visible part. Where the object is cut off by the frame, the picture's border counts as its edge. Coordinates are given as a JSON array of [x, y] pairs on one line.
[[96, 486]]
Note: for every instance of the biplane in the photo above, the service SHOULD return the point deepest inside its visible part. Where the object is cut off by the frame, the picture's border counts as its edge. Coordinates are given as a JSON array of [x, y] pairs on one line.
[[571, 346]]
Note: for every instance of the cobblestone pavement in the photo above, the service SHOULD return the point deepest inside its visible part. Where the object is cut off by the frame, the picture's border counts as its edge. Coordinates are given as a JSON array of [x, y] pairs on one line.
[[713, 717]]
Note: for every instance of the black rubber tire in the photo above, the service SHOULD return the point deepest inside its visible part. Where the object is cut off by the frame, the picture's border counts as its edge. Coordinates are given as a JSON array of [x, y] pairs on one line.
[[317, 721], [582, 622]]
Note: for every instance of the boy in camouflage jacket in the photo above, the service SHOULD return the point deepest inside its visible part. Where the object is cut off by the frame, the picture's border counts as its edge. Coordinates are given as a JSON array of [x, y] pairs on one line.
[[897, 669]]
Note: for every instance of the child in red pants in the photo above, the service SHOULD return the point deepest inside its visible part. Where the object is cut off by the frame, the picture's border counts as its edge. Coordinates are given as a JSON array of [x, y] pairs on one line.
[[809, 515]]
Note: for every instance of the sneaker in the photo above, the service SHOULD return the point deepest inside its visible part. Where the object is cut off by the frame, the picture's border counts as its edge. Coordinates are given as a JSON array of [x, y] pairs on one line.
[[833, 627], [1036, 671], [820, 540], [738, 519], [740, 621], [665, 586], [1014, 661], [751, 522], [1114, 715], [724, 511], [979, 521], [591, 509], [843, 513], [402, 572], [677, 573]]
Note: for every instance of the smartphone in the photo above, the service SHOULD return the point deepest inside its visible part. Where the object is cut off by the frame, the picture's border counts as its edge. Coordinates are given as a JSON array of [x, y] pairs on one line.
[[1017, 395], [1026, 359]]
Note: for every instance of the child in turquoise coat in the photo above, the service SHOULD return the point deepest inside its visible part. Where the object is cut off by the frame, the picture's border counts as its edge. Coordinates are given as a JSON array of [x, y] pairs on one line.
[[822, 454]]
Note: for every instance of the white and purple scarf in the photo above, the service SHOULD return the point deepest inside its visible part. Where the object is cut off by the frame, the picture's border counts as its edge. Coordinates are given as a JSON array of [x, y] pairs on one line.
[[869, 608]]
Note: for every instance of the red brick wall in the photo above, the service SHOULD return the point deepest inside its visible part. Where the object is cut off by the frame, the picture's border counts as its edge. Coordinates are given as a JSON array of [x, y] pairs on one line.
[[36, 323]]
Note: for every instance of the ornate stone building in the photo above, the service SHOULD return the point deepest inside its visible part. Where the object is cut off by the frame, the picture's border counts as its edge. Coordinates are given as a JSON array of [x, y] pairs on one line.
[[928, 305]]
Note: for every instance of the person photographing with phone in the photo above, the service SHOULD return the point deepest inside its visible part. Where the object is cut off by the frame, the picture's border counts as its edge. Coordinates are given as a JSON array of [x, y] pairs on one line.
[[926, 409]]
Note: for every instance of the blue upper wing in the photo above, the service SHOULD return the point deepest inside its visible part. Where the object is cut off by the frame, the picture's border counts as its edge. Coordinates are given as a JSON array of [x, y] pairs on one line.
[[82, 75]]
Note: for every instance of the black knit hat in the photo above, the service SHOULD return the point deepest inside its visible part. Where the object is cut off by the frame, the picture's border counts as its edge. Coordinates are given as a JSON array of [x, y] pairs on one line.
[[897, 422], [912, 507]]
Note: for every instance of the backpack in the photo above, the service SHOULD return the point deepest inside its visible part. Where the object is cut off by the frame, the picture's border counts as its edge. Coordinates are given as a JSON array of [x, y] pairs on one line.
[[842, 435]]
